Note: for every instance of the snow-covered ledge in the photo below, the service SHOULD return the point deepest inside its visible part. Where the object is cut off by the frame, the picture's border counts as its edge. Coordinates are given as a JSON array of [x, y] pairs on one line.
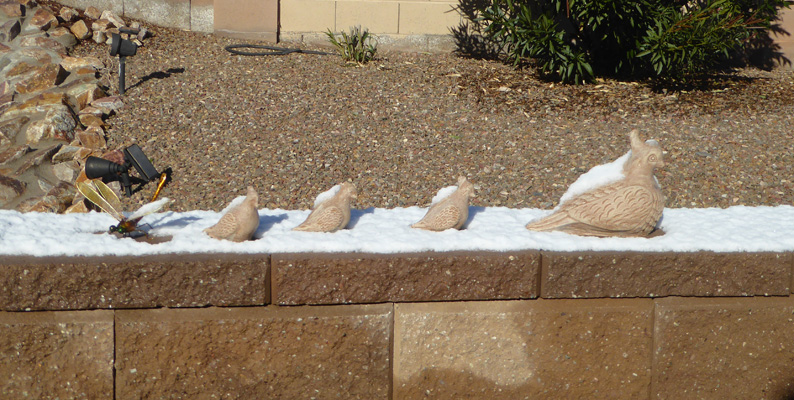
[[383, 311]]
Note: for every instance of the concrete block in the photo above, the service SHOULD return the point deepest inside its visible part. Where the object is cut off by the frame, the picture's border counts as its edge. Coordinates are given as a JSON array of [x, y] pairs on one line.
[[66, 355], [58, 283], [202, 15], [376, 16], [724, 348], [168, 13], [376, 278], [640, 274], [294, 17], [116, 6], [256, 353], [428, 18], [552, 349], [247, 19]]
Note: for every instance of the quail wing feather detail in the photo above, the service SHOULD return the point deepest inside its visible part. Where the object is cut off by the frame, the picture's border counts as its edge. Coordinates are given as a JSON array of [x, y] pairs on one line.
[[629, 207], [239, 223], [331, 214], [450, 212]]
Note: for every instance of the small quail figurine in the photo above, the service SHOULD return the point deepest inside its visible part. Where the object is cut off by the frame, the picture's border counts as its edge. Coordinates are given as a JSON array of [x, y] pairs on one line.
[[631, 206], [449, 212], [331, 210], [239, 223]]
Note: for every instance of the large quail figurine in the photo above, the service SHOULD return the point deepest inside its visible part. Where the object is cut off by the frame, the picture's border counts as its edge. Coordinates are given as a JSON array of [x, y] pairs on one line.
[[240, 222], [449, 212], [331, 210], [631, 206]]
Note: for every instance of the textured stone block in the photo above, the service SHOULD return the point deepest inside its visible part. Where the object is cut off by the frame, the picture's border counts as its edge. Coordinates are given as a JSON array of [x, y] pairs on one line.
[[638, 274], [202, 15], [537, 349], [376, 278], [248, 19], [170, 13], [294, 17], [254, 353], [428, 18], [66, 355], [724, 349], [58, 283], [377, 16]]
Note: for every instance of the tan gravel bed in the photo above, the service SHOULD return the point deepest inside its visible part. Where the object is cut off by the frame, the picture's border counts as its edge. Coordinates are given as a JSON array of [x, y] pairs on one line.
[[408, 124]]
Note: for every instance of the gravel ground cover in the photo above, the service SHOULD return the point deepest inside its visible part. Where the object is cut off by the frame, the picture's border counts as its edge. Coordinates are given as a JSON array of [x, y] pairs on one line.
[[408, 124]]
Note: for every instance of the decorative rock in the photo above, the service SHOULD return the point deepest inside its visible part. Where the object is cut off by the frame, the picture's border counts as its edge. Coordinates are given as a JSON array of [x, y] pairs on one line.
[[43, 19], [45, 43], [12, 9], [93, 13], [143, 34], [10, 128], [5, 141], [41, 56], [9, 30], [90, 120], [92, 137], [4, 49], [101, 25], [73, 63], [63, 36], [99, 37], [86, 93], [68, 14], [80, 30], [76, 207], [66, 153], [57, 124], [40, 103], [108, 104], [36, 158], [91, 110], [20, 69], [82, 154], [65, 171], [112, 18], [14, 153], [46, 77], [10, 188]]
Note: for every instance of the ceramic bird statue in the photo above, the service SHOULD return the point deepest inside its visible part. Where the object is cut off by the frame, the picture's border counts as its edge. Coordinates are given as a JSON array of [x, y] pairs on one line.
[[631, 206], [331, 210], [240, 222], [449, 212]]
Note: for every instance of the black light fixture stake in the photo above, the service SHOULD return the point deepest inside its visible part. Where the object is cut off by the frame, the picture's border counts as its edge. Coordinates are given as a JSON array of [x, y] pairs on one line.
[[96, 167], [123, 48]]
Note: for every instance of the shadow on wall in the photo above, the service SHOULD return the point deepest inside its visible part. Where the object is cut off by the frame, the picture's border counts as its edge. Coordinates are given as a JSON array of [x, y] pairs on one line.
[[468, 36]]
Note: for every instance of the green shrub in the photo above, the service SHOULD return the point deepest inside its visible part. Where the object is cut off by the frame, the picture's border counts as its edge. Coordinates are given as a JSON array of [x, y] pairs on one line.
[[357, 47], [577, 40]]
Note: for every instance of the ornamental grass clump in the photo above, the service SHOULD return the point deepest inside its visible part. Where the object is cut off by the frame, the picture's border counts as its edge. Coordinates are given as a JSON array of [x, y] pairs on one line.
[[357, 47]]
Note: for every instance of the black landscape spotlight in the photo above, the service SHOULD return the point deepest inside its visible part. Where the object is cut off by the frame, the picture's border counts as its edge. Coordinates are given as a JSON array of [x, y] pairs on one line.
[[96, 167], [123, 48]]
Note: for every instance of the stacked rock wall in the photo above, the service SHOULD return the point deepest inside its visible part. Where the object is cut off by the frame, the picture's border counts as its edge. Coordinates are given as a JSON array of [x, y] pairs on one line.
[[435, 325], [52, 106]]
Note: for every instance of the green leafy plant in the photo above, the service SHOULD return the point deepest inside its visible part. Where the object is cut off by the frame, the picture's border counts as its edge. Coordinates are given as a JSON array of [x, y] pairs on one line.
[[575, 41], [356, 47]]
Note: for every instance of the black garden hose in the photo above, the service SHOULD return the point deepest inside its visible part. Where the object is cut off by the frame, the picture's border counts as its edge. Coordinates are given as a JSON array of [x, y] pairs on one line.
[[273, 51]]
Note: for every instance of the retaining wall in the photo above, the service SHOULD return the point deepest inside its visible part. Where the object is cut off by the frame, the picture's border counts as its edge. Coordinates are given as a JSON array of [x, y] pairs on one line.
[[435, 325]]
